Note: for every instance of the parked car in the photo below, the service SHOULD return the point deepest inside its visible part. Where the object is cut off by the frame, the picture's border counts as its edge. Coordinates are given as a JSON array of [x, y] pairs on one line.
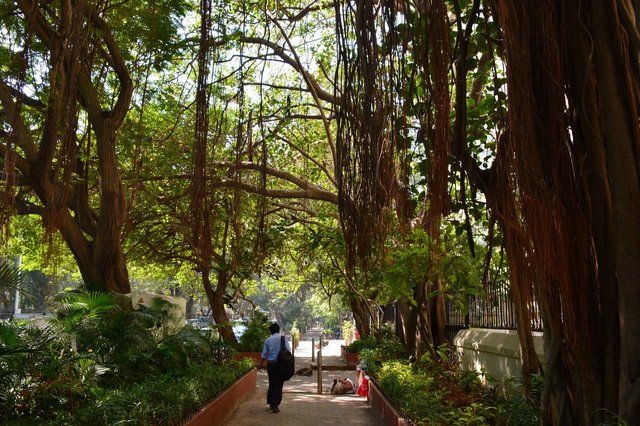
[[239, 327], [201, 323]]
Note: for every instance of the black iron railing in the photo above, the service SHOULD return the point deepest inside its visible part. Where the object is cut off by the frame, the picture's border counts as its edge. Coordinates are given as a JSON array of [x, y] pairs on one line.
[[494, 310]]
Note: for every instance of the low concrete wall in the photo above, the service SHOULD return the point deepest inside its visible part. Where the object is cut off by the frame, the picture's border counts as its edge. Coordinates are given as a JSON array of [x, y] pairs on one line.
[[497, 352]]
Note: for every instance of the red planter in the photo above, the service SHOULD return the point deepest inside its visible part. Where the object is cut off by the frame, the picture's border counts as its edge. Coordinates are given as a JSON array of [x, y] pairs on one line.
[[382, 407], [219, 410], [351, 359]]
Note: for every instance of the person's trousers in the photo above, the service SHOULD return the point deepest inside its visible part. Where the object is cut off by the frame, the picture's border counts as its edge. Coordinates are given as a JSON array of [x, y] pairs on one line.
[[274, 393]]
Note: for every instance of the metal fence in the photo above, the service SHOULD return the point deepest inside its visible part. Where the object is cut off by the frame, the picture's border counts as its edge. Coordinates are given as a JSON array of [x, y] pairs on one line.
[[494, 310]]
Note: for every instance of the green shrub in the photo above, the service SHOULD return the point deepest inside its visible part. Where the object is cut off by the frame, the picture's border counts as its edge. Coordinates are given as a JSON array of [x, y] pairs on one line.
[[358, 345], [252, 340], [94, 355], [348, 331], [521, 410], [163, 399], [434, 391]]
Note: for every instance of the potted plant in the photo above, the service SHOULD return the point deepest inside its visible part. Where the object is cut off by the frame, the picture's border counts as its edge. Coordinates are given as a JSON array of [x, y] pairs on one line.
[[352, 351]]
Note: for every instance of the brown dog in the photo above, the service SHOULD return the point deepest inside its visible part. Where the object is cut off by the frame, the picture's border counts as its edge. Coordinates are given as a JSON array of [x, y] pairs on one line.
[[306, 371]]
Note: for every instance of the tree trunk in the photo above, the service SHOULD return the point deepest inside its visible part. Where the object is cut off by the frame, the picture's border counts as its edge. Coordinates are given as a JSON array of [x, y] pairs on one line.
[[617, 78], [107, 253], [583, 225], [216, 301], [438, 314], [528, 355], [409, 318], [48, 165], [360, 315]]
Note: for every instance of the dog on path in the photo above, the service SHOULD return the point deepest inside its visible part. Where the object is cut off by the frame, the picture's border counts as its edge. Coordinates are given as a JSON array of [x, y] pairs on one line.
[[306, 371]]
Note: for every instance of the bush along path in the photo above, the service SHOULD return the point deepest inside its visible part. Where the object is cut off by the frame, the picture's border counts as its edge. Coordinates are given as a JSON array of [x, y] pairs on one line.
[[434, 390], [93, 362]]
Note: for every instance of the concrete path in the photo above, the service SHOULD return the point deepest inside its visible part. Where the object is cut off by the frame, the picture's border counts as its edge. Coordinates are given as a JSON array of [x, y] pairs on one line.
[[301, 403]]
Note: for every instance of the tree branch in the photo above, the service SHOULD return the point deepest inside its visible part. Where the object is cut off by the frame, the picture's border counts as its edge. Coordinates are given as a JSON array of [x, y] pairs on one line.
[[310, 193], [289, 177], [280, 52]]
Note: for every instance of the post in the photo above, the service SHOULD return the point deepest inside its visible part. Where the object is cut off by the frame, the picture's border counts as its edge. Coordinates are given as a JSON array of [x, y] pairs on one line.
[[16, 302], [320, 367], [313, 349]]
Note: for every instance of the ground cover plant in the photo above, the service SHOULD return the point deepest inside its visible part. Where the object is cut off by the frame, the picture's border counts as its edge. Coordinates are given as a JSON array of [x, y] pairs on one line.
[[95, 361], [436, 391]]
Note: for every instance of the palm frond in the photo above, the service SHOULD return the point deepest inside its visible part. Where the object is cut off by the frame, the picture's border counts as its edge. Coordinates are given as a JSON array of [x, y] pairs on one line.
[[11, 277], [74, 308]]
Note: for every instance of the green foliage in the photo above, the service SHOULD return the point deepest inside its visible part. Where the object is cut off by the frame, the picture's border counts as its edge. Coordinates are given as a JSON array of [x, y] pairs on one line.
[[365, 343], [165, 399], [348, 331], [436, 391], [409, 266], [520, 409], [252, 340], [93, 353], [11, 280], [10, 276], [295, 335]]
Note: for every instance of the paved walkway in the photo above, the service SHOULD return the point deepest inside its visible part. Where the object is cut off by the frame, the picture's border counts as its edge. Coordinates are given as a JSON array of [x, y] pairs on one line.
[[301, 403]]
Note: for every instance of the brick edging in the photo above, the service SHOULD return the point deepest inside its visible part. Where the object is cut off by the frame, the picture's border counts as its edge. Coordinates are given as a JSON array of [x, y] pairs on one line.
[[382, 407], [217, 411]]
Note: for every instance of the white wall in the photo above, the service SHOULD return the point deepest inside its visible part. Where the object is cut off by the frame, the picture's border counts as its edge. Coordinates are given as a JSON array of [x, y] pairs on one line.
[[497, 352], [177, 310]]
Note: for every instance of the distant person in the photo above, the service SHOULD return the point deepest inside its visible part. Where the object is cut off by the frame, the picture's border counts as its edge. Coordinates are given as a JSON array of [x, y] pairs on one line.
[[270, 355]]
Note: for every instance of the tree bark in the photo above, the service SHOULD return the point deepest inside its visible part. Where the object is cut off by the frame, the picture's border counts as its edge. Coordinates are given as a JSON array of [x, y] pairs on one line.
[[94, 239], [360, 315], [216, 301], [583, 224], [408, 316]]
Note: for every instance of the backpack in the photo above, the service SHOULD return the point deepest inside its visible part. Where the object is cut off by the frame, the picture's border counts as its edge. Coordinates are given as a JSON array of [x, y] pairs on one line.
[[286, 362]]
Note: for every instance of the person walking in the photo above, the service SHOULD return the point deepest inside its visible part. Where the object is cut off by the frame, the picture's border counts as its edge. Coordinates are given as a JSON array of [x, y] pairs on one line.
[[270, 355]]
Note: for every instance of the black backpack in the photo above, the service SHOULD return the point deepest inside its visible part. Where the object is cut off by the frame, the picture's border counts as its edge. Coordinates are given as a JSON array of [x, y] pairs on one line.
[[286, 362]]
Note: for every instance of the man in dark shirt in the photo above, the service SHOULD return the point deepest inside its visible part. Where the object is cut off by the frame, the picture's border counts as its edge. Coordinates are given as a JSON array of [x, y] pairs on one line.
[[270, 355]]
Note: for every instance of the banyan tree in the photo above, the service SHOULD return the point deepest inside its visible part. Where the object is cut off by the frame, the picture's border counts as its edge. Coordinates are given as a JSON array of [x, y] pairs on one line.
[[564, 184], [60, 119], [571, 158]]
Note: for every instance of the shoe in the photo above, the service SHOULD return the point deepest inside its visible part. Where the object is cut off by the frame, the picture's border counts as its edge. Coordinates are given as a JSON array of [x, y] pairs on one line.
[[275, 409]]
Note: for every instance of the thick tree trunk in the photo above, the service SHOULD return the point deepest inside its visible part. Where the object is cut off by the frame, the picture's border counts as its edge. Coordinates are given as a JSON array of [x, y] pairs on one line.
[[216, 301], [360, 315], [617, 76], [107, 253], [409, 319], [584, 224], [430, 317]]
